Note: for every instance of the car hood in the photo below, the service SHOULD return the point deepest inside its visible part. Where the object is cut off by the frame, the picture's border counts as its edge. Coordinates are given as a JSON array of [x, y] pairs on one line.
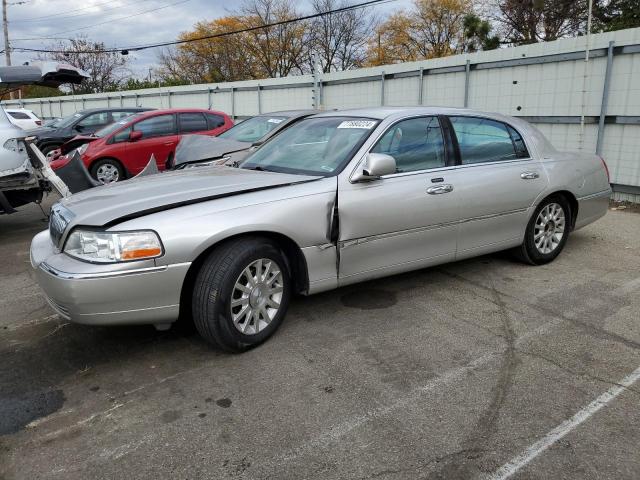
[[111, 204], [75, 142], [196, 148]]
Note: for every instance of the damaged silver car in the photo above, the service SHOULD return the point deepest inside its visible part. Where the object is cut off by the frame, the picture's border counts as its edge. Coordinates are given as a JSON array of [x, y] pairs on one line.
[[338, 198], [25, 175]]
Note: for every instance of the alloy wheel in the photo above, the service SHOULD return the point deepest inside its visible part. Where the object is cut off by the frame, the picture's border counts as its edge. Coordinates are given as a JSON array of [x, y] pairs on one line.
[[549, 228], [256, 296]]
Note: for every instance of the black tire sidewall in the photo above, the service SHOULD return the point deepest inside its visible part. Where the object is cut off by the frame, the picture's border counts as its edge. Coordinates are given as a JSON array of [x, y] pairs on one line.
[[49, 148], [533, 254], [94, 168], [228, 336]]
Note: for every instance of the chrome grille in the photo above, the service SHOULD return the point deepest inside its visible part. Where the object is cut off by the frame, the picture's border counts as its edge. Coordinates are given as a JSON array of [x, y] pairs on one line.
[[58, 222]]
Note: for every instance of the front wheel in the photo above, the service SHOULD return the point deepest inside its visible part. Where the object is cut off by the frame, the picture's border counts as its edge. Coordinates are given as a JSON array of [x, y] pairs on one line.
[[547, 231], [241, 294], [107, 171]]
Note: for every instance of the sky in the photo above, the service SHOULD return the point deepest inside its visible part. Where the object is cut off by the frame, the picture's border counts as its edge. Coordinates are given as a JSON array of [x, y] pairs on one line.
[[120, 23]]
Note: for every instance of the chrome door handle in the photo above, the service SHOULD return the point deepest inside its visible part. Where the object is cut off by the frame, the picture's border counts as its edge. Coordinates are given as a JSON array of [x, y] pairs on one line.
[[439, 189], [529, 175]]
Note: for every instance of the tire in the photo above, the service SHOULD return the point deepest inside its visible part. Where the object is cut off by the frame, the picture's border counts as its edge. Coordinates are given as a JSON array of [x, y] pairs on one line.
[[547, 231], [48, 149], [107, 170], [216, 300]]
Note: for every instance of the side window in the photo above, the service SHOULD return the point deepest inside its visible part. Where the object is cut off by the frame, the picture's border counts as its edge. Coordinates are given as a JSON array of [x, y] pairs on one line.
[[19, 115], [156, 126], [215, 121], [416, 144], [119, 115], [192, 122], [94, 120], [122, 136], [482, 140], [518, 143]]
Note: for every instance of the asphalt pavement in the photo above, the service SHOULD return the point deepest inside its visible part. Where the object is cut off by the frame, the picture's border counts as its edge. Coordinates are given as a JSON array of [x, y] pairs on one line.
[[480, 369]]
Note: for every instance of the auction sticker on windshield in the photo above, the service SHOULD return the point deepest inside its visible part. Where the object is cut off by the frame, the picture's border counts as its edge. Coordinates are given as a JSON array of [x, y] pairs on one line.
[[368, 124], [274, 120]]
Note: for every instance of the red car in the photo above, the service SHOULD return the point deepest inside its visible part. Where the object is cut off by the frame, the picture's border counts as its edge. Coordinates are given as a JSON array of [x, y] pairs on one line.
[[123, 149]]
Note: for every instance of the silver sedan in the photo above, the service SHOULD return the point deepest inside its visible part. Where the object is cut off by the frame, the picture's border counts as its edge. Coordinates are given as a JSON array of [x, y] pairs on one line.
[[338, 198]]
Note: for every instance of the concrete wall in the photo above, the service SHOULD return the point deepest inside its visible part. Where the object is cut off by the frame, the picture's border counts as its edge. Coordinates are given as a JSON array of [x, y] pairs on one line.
[[550, 84]]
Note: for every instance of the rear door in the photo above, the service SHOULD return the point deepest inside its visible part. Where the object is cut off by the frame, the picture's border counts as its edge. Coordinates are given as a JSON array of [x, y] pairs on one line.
[[498, 182], [406, 220], [159, 138], [192, 123], [92, 123]]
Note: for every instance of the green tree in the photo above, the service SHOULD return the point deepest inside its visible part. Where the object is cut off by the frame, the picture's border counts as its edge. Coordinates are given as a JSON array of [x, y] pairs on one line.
[[616, 15], [477, 34]]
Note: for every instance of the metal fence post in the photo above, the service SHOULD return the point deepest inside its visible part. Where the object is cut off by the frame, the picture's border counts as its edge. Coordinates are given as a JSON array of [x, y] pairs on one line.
[[467, 74], [382, 89], [420, 85], [233, 103], [169, 98], [121, 102], [259, 99], [605, 98]]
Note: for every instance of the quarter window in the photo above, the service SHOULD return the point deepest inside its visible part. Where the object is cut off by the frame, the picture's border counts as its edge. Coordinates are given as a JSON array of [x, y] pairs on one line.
[[416, 144], [215, 121], [156, 126], [94, 120], [192, 122], [482, 140]]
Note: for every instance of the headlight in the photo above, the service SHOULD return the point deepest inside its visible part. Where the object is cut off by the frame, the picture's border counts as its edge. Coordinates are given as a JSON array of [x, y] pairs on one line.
[[112, 247], [83, 148]]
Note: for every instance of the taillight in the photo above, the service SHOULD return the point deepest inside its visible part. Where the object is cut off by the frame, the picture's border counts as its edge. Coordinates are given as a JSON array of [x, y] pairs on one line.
[[38, 122], [606, 169]]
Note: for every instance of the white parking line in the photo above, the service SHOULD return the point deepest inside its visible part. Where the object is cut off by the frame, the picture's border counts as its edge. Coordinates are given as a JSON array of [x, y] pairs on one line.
[[531, 452]]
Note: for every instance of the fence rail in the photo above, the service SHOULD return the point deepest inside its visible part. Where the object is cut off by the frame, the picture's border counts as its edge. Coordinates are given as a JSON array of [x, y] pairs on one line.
[[583, 93]]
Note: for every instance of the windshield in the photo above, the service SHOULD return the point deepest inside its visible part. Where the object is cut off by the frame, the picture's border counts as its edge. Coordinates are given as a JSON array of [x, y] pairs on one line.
[[66, 121], [315, 146], [253, 129], [109, 129]]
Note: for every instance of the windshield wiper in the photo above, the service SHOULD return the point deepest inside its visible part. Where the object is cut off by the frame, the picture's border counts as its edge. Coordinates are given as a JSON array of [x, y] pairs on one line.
[[259, 169]]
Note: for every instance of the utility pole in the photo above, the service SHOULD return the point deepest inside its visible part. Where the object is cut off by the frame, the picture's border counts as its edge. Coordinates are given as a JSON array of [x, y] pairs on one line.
[[5, 27], [7, 48]]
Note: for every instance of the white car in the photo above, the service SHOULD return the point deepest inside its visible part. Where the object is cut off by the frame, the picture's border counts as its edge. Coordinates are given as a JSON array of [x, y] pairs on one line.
[[23, 118]]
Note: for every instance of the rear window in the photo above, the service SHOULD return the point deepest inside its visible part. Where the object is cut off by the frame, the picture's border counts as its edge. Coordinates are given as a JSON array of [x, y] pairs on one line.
[[19, 115], [215, 121], [482, 140], [192, 122]]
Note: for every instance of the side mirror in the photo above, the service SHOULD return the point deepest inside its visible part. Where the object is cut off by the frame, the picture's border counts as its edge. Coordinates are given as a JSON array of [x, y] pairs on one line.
[[78, 128], [135, 135], [375, 166]]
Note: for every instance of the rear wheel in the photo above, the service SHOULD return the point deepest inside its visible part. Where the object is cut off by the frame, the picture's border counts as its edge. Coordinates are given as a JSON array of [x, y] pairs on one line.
[[241, 294], [547, 231], [47, 149], [107, 171]]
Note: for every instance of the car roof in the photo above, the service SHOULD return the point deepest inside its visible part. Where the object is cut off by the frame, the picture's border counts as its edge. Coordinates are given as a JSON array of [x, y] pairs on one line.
[[291, 113], [113, 109], [182, 110]]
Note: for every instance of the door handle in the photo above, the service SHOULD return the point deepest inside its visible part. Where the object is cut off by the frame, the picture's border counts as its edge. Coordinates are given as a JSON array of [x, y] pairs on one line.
[[529, 175], [440, 189]]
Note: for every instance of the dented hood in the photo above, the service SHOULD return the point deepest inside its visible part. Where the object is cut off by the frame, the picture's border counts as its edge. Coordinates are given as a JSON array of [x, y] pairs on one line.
[[197, 148], [111, 204]]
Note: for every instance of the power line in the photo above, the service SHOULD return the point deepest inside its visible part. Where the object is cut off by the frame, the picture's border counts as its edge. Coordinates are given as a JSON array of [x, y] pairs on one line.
[[122, 18], [136, 48], [33, 19], [60, 16]]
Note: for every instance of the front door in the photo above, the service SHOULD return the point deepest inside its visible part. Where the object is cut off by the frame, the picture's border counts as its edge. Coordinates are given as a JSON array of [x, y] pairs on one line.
[[159, 138], [403, 221], [498, 184]]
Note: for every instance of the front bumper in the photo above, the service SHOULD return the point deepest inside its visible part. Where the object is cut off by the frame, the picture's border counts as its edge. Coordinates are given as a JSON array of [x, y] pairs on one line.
[[118, 294]]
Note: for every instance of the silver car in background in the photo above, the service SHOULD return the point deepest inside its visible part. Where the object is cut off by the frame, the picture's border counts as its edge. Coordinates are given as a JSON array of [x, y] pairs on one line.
[[338, 198], [25, 175]]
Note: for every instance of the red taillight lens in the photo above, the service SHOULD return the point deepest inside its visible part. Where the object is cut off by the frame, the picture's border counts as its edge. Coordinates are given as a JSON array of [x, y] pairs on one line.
[[606, 169]]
